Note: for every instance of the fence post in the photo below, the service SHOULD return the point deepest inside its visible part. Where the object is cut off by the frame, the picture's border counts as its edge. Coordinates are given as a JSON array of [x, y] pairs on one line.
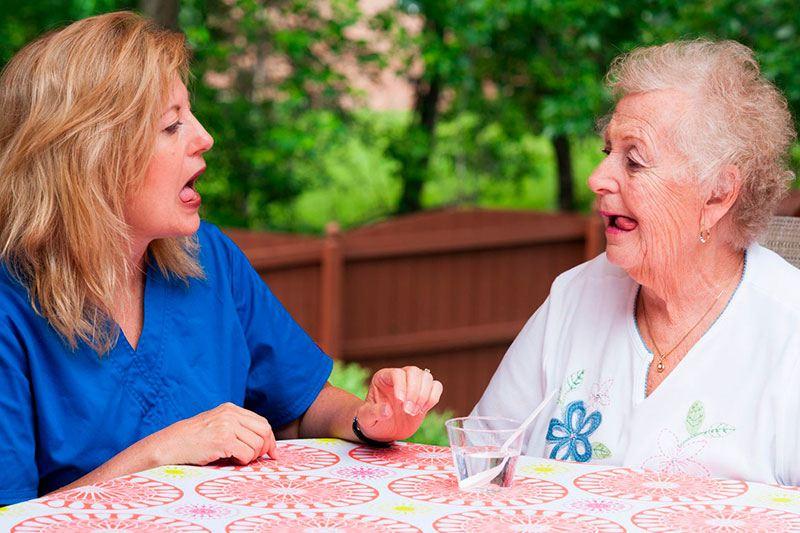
[[331, 289], [595, 236]]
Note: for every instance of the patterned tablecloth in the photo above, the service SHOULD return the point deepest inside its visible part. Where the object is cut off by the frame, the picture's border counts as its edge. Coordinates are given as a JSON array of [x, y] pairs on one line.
[[332, 485]]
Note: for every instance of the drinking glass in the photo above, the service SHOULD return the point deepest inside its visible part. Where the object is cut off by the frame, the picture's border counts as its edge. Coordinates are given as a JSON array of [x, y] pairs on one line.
[[475, 442]]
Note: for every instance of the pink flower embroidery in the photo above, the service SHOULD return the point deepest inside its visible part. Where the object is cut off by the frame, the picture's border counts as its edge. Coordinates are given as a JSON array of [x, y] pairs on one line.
[[676, 457], [599, 394]]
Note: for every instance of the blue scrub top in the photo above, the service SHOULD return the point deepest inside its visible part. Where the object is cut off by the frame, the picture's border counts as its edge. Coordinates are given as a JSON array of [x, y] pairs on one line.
[[225, 338]]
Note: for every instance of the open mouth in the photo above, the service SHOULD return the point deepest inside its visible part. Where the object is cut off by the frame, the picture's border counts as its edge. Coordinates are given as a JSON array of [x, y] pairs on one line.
[[189, 194], [616, 223]]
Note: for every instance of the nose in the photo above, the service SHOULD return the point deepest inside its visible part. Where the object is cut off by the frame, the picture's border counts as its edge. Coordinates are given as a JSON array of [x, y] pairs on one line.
[[603, 179], [202, 141]]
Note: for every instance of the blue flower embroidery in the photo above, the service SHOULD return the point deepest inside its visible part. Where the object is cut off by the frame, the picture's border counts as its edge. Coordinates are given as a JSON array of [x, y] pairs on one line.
[[572, 435]]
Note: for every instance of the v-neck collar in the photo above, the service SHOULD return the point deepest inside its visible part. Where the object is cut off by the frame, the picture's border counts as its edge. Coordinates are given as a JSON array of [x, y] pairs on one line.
[[647, 354], [153, 317]]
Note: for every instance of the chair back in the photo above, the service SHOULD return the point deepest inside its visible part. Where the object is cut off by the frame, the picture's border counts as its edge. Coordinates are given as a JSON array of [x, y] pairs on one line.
[[783, 237]]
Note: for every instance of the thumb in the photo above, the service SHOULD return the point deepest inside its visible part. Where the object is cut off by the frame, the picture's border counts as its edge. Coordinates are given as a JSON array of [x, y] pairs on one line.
[[371, 413]]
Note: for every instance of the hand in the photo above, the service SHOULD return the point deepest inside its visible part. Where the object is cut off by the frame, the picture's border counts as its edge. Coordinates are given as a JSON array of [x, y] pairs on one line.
[[397, 402], [227, 431]]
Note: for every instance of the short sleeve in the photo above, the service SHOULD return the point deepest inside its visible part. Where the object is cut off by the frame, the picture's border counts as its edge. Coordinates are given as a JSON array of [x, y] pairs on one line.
[[287, 370], [19, 479], [520, 383]]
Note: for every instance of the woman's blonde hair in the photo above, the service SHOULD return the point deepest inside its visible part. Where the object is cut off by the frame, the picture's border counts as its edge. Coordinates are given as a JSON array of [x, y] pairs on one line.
[[736, 117], [80, 110]]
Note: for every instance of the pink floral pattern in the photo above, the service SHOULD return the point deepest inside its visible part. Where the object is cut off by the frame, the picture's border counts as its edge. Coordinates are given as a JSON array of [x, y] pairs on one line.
[[324, 521], [677, 457], [654, 486], [406, 455], [92, 522], [411, 488], [599, 505], [598, 396], [292, 458], [501, 521], [443, 488], [286, 491], [128, 492], [361, 472], [204, 511], [721, 518]]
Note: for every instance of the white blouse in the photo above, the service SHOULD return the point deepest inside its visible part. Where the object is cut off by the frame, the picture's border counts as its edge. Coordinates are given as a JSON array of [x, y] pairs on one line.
[[731, 408]]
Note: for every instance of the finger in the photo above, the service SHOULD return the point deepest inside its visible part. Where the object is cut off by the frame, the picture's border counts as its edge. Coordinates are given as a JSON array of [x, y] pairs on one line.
[[272, 447], [252, 440], [393, 378], [240, 452], [255, 423], [260, 426], [434, 396], [424, 391], [370, 413], [413, 384]]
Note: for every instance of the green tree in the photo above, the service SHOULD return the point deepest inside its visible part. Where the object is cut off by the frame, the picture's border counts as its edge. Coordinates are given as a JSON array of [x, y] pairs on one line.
[[269, 91]]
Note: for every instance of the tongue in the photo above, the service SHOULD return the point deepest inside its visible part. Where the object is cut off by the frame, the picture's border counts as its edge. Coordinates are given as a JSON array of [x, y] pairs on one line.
[[625, 223], [188, 195]]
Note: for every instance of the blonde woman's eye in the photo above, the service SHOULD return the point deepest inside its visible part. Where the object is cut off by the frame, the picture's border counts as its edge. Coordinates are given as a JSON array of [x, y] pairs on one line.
[[172, 128]]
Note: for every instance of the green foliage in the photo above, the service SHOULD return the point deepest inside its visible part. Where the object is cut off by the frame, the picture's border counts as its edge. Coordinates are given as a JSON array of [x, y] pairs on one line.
[[494, 82], [353, 378], [432, 430]]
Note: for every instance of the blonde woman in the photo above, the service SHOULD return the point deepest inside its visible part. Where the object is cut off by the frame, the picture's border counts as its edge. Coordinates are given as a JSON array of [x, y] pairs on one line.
[[678, 349], [133, 335]]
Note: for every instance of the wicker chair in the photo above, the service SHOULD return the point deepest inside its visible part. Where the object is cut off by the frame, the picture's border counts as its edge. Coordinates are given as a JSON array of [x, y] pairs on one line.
[[783, 237]]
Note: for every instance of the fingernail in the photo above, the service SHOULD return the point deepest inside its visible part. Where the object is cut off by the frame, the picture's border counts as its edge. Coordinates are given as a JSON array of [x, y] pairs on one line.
[[408, 407]]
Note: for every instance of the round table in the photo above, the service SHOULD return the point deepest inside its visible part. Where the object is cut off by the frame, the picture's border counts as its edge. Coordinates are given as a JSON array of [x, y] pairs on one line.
[[333, 485]]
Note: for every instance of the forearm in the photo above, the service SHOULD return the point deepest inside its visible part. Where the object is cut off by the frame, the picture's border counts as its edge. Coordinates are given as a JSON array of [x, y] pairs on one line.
[[141, 455], [331, 415]]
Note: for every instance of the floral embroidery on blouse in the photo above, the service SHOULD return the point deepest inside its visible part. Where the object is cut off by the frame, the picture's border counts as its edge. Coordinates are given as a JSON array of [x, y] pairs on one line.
[[579, 448], [676, 456], [571, 436]]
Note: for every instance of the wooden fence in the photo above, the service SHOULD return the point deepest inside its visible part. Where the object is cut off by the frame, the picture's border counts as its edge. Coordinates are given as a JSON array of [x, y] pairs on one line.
[[447, 290]]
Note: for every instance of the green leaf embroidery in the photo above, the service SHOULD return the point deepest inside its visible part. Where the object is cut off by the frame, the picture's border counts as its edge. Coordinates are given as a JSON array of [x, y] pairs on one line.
[[570, 384], [600, 451], [695, 417], [720, 430]]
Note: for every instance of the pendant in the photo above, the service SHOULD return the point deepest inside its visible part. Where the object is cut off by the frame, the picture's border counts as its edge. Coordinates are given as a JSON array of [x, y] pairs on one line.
[[660, 367]]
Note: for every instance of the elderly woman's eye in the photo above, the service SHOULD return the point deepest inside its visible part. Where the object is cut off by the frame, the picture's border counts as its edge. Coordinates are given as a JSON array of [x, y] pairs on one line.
[[606, 150], [634, 165]]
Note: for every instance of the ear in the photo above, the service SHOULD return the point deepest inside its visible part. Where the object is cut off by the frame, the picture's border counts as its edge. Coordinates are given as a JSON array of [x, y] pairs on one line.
[[721, 197]]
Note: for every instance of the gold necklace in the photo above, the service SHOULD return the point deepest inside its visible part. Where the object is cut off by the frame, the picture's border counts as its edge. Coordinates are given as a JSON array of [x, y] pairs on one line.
[[663, 355]]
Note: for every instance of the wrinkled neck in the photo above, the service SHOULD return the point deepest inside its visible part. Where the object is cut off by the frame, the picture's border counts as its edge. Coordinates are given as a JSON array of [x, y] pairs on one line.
[[688, 285]]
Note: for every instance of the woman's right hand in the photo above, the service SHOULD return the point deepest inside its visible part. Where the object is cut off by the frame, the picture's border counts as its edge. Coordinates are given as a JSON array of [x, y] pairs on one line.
[[227, 431]]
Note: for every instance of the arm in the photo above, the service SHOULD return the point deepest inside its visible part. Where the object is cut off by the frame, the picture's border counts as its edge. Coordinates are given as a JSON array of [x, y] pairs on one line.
[[396, 404], [227, 431]]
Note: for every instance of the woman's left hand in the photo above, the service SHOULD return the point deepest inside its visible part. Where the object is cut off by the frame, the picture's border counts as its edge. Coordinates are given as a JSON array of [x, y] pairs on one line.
[[397, 402]]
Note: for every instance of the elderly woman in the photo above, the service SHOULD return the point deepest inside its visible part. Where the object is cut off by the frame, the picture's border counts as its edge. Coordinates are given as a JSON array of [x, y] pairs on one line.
[[678, 350], [133, 335]]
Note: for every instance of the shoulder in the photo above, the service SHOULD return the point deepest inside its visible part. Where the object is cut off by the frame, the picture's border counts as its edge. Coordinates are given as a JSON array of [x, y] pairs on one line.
[[14, 299], [597, 276], [772, 281], [217, 251]]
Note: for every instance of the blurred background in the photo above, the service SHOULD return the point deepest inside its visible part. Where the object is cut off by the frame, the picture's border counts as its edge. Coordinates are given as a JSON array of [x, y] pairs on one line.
[[410, 176]]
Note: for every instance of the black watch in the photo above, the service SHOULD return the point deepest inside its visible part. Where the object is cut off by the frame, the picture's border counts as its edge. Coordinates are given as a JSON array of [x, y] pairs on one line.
[[366, 440]]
